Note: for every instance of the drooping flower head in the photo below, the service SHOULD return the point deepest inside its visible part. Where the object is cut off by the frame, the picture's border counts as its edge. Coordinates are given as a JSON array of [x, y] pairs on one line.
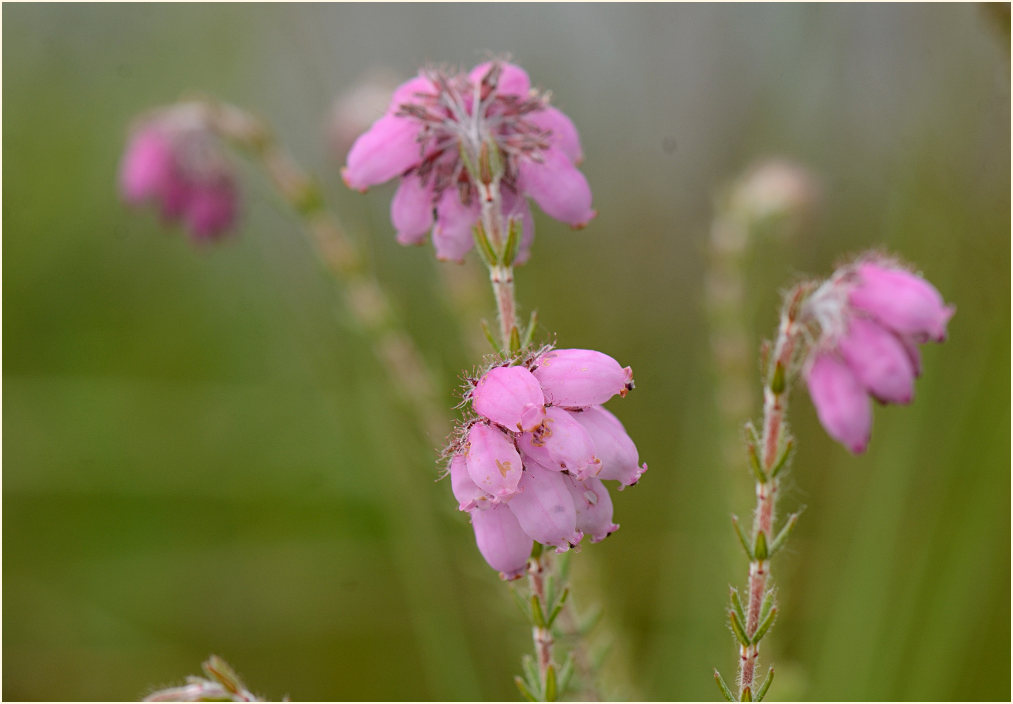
[[529, 466], [870, 316], [172, 161], [458, 140]]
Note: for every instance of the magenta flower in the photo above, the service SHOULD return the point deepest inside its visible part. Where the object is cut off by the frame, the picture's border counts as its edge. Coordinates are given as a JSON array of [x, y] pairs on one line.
[[871, 316], [173, 162], [539, 462], [437, 135]]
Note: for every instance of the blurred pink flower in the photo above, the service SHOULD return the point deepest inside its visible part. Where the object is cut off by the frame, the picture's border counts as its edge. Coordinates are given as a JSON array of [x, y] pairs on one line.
[[871, 315], [540, 461], [172, 162], [436, 133]]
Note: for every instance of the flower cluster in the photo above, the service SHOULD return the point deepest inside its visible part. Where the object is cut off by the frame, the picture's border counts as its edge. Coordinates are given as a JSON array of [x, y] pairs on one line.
[[530, 467], [173, 161], [872, 314], [461, 141]]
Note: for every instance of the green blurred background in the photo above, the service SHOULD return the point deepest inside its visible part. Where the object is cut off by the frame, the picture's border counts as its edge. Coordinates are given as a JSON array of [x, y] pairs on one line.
[[201, 454]]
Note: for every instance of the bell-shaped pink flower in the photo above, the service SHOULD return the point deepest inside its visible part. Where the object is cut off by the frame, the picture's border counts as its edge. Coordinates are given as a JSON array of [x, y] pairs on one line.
[[435, 118], [871, 315], [840, 400], [901, 300], [544, 508], [211, 210], [511, 397], [581, 378], [561, 444], [492, 461], [388, 149], [594, 507], [466, 491], [173, 162], [148, 166], [612, 445], [879, 361], [558, 187], [411, 210], [502, 542], [453, 235]]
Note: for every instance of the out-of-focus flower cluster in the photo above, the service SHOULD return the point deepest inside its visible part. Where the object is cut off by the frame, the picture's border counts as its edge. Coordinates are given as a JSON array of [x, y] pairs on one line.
[[530, 466], [174, 162], [871, 314], [457, 140]]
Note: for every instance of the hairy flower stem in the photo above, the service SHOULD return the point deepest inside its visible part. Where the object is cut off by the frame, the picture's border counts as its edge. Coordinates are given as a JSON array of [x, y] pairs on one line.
[[768, 460], [538, 565], [449, 660], [501, 272]]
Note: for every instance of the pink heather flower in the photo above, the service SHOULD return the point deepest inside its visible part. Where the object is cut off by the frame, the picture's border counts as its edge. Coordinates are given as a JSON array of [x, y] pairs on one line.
[[502, 542], [594, 508], [561, 444], [612, 446], [540, 462], [434, 119], [172, 162], [871, 315], [492, 461], [511, 397], [580, 378]]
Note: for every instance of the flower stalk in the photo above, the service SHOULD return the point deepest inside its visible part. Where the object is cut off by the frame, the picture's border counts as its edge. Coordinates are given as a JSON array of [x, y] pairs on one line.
[[769, 453]]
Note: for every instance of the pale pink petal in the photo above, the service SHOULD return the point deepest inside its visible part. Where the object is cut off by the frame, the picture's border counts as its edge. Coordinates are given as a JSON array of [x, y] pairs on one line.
[[148, 164], [594, 507], [561, 444], [502, 542], [492, 461], [563, 136], [387, 149], [841, 402], [413, 91], [452, 235], [411, 210], [581, 378], [612, 445], [467, 493], [558, 187], [545, 509], [211, 209], [878, 360], [902, 301], [510, 396], [513, 80]]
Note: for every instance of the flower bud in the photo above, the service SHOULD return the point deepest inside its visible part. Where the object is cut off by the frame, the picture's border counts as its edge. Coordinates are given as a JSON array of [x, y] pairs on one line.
[[467, 493], [841, 403], [612, 445], [594, 507], [492, 461], [544, 508], [561, 444], [511, 397], [902, 301], [502, 542], [581, 378], [879, 361]]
